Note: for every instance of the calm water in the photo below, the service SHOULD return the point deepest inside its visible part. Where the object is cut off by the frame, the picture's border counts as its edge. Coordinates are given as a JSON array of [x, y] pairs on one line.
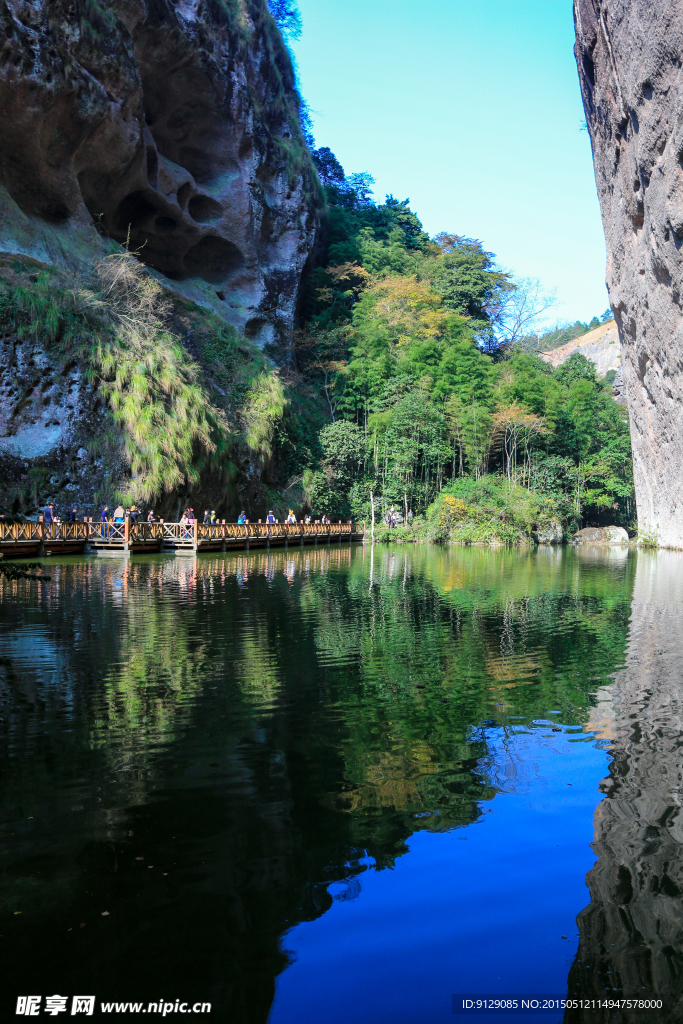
[[340, 785]]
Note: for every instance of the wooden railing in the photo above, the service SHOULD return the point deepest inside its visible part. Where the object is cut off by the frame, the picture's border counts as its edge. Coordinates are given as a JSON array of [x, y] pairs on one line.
[[141, 532], [40, 532], [191, 534], [20, 533], [107, 531], [126, 531], [293, 531], [196, 532], [177, 533], [64, 531]]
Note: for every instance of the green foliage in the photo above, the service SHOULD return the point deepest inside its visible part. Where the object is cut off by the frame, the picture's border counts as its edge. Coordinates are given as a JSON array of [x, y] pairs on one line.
[[649, 538], [397, 334], [466, 278], [262, 411], [488, 509], [344, 447]]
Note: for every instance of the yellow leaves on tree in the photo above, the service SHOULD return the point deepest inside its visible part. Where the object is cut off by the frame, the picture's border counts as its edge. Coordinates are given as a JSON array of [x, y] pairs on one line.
[[453, 510], [349, 278], [517, 430], [408, 308]]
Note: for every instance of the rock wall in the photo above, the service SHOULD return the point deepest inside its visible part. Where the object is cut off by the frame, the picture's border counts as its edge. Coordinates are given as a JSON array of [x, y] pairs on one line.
[[629, 55], [631, 934], [171, 125]]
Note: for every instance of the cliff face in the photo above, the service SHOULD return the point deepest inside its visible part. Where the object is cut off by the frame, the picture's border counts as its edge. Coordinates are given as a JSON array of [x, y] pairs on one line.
[[173, 125], [628, 54], [172, 128], [631, 934]]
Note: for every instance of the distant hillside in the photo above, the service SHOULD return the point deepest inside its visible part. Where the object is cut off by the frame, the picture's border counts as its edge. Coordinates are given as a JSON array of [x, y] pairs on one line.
[[561, 334], [600, 345]]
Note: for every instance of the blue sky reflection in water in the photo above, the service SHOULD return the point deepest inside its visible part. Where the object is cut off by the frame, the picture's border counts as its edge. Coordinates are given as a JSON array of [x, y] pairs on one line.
[[481, 909], [359, 758]]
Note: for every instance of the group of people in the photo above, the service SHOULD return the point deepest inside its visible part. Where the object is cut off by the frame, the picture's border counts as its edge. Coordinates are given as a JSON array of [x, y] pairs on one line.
[[134, 514], [394, 517], [291, 519], [120, 514], [51, 515]]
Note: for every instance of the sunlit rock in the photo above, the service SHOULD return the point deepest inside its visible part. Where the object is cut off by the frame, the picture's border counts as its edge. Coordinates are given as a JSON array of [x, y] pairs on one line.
[[601, 535], [629, 56]]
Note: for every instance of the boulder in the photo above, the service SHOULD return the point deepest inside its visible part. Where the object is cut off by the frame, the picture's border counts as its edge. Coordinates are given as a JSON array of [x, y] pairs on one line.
[[601, 535], [550, 533]]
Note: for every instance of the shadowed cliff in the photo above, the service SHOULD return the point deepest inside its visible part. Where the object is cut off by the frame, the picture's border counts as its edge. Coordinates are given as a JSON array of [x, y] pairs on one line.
[[631, 934]]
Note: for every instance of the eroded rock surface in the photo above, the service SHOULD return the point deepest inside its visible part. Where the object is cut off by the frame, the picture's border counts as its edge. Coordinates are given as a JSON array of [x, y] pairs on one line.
[[629, 55], [172, 125]]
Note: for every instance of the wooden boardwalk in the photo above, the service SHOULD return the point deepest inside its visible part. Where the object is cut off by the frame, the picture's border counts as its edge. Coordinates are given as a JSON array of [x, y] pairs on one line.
[[35, 539]]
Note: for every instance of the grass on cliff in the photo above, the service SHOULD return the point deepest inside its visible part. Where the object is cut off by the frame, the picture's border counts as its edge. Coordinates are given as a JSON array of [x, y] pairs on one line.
[[176, 423]]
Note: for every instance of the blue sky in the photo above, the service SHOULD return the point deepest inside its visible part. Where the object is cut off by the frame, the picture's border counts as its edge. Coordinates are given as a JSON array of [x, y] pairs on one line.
[[472, 109]]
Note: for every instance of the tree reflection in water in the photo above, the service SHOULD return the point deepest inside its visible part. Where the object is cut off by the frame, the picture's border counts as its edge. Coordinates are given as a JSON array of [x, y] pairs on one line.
[[201, 747]]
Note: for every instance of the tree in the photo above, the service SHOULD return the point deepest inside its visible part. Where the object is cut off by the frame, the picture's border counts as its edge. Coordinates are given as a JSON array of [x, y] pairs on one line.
[[465, 277], [345, 448], [287, 17], [517, 429], [514, 311]]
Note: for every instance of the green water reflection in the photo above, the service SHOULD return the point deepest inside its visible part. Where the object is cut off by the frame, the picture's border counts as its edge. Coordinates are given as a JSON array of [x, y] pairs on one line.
[[198, 747]]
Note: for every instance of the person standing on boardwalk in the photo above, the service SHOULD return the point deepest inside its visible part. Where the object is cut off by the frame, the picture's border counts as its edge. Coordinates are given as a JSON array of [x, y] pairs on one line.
[[119, 514], [207, 517], [242, 519], [270, 518], [49, 512], [73, 515]]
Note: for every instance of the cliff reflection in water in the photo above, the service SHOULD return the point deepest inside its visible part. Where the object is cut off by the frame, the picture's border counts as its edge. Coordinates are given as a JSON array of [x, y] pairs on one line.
[[200, 747], [631, 934]]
